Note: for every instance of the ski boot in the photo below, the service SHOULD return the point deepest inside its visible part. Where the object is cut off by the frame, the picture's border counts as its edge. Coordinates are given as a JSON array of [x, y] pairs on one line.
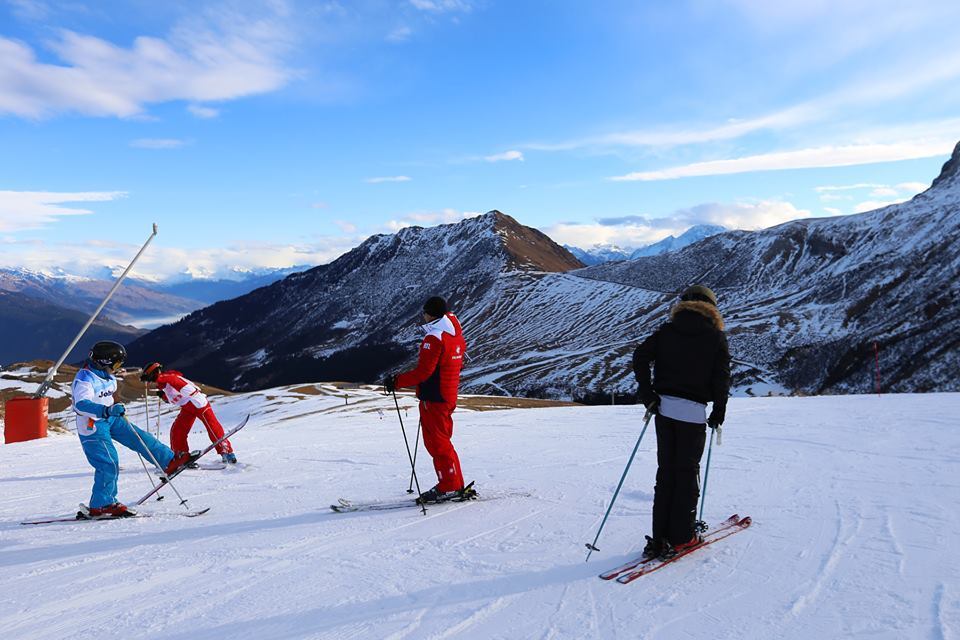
[[115, 510], [671, 551], [228, 458], [181, 460], [434, 495], [653, 548]]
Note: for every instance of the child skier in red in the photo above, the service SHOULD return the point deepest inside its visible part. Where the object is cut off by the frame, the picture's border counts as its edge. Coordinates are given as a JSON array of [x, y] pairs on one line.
[[174, 388]]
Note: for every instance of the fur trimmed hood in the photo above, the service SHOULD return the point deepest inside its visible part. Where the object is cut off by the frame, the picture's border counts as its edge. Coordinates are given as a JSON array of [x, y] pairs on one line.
[[705, 309]]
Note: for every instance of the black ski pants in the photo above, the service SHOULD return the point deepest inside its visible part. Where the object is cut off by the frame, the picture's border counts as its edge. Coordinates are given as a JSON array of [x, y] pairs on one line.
[[679, 449]]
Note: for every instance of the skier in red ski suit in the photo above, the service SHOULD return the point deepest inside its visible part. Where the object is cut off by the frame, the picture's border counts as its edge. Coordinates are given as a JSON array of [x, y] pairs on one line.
[[172, 387], [437, 378]]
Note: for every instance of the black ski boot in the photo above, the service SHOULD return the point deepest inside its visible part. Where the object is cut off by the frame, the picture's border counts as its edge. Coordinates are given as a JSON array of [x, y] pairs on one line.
[[435, 496], [653, 548]]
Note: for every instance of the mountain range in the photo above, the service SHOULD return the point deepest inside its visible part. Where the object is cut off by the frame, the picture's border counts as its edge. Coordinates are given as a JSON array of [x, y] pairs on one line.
[[812, 306], [600, 253], [44, 310]]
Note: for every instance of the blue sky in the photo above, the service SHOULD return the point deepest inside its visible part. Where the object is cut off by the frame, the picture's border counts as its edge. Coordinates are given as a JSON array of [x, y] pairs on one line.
[[285, 132]]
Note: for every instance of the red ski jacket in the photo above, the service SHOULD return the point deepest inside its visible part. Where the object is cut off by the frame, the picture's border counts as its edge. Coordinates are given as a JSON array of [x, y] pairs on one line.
[[437, 376], [180, 391]]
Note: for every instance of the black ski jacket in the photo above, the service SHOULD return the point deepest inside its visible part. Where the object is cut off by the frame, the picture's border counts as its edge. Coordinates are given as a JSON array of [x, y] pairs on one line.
[[690, 358]]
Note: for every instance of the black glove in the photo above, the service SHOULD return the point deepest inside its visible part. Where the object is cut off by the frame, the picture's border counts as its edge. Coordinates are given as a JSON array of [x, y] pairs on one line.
[[161, 395], [651, 402], [390, 383], [714, 421]]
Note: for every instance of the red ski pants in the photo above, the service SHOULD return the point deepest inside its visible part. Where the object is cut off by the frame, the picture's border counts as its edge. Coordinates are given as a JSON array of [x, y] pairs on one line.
[[436, 419], [181, 428]]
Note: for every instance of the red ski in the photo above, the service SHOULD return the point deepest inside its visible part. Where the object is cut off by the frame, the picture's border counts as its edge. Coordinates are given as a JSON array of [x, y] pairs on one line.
[[650, 567], [636, 562]]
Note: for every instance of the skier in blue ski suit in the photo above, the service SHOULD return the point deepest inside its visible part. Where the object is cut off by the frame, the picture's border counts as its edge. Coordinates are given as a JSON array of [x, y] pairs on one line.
[[100, 421]]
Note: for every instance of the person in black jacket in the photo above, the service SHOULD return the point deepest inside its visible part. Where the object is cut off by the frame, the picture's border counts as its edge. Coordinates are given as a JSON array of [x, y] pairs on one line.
[[691, 367]]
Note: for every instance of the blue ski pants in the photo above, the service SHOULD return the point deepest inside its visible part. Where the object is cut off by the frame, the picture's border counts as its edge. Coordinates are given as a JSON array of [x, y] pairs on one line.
[[102, 455]]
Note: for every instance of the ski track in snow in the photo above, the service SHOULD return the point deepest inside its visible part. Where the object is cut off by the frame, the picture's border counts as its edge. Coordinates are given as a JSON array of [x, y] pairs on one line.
[[854, 499]]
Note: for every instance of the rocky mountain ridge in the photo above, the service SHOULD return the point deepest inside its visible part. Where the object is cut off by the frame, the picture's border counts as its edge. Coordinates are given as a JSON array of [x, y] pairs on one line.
[[810, 305]]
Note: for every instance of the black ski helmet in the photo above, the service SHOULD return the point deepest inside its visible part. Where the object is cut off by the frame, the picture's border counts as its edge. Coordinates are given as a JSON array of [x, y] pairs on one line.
[[700, 293], [435, 307], [108, 355], [150, 372]]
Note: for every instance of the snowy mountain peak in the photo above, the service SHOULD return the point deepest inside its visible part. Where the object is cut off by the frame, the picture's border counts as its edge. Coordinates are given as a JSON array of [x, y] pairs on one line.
[[694, 234], [951, 168]]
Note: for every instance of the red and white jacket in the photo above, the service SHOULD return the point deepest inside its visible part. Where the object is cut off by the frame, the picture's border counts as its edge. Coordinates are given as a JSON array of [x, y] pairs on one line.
[[437, 376], [180, 391]]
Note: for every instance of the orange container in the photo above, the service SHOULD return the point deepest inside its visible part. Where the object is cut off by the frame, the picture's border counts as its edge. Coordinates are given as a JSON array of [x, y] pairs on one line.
[[25, 419]]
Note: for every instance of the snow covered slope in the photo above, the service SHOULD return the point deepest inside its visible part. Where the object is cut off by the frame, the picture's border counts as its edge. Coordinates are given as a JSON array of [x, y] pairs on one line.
[[854, 499]]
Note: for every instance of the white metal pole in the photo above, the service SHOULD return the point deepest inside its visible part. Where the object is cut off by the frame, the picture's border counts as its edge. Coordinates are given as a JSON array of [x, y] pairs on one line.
[[45, 385]]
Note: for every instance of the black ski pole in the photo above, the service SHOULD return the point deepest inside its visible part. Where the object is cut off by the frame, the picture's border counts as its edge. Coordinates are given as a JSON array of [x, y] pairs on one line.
[[406, 444], [416, 446], [593, 546]]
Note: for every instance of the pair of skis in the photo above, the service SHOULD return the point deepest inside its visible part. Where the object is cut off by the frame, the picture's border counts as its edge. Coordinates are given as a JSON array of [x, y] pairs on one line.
[[346, 506], [83, 516], [640, 566]]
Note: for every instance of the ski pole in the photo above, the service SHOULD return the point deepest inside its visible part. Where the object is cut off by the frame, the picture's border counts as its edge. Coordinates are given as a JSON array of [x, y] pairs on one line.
[[706, 473], [146, 410], [413, 468], [166, 479], [149, 477], [416, 446], [593, 547]]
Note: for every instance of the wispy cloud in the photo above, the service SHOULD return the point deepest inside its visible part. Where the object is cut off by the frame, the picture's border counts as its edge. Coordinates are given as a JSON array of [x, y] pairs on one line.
[[870, 205], [879, 195], [829, 156], [443, 6], [163, 262], [637, 231], [157, 143], [400, 34], [847, 187], [429, 218], [204, 112], [505, 156], [213, 57], [382, 179], [22, 210]]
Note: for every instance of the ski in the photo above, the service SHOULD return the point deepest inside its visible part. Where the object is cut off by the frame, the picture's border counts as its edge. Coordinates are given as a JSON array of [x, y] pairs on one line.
[[165, 479], [640, 560], [79, 517], [213, 466], [346, 506], [740, 525]]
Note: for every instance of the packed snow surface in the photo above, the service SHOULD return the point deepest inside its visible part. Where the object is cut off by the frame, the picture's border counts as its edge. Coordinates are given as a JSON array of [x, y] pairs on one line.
[[855, 502]]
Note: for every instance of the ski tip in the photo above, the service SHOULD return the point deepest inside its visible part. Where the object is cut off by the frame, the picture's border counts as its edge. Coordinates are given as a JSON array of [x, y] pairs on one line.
[[198, 513], [746, 521]]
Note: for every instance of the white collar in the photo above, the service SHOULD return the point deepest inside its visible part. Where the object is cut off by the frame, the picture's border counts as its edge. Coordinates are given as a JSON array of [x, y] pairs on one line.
[[440, 325]]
